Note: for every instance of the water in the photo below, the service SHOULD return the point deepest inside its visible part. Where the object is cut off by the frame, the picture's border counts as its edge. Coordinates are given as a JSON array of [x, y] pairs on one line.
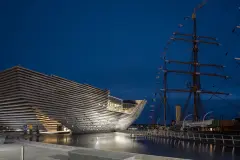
[[123, 142]]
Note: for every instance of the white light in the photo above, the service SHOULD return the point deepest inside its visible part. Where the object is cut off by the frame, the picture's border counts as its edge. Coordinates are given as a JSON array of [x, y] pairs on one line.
[[18, 129], [121, 139]]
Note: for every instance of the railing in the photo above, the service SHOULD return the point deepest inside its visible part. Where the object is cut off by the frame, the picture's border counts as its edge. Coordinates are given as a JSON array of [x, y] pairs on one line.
[[218, 139]]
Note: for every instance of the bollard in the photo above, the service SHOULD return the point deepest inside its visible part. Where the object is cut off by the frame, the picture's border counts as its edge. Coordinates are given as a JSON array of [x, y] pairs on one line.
[[22, 152]]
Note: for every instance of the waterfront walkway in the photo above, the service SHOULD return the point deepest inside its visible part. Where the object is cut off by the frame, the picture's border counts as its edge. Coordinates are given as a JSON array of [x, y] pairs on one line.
[[14, 152], [42, 151]]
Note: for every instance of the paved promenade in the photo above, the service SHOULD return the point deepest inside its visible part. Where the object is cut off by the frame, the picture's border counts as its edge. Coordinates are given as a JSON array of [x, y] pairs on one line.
[[42, 151], [13, 152]]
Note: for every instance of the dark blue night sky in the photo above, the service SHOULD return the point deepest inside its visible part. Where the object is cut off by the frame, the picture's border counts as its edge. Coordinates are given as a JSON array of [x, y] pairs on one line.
[[118, 44]]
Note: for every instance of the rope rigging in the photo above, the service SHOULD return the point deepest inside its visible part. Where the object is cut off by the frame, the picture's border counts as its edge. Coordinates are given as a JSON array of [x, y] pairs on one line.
[[227, 53], [227, 101], [166, 47], [190, 66]]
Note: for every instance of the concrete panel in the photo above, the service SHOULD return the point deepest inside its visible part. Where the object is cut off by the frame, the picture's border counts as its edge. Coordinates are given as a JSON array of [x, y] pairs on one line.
[[99, 155]]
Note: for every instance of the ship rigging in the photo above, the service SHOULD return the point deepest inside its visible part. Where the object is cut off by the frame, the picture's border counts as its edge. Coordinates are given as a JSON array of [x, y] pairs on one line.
[[194, 88]]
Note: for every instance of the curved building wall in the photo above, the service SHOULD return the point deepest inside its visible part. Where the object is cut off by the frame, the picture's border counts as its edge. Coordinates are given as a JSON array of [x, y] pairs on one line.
[[28, 97], [127, 119]]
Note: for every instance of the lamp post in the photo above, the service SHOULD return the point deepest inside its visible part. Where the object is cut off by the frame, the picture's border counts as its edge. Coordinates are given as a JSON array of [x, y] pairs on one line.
[[183, 125]]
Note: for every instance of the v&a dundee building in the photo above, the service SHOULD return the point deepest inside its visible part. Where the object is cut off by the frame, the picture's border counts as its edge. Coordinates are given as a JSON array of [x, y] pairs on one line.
[[53, 103]]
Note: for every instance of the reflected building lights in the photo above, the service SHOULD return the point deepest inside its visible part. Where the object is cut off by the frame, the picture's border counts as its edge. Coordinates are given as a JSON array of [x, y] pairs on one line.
[[211, 149], [123, 142]]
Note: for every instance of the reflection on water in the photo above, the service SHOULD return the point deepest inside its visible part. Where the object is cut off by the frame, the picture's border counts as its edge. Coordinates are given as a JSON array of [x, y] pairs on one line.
[[104, 141], [158, 146]]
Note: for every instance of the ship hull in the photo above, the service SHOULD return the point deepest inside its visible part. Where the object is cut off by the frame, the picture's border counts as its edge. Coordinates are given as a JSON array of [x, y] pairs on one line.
[[31, 98]]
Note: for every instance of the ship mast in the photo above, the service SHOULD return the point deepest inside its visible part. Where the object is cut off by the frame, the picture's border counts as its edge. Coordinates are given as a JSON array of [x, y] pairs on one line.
[[195, 73], [165, 91], [195, 77]]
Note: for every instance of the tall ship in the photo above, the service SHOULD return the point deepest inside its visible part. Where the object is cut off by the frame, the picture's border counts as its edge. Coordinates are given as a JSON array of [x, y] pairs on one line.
[[52, 104], [194, 90]]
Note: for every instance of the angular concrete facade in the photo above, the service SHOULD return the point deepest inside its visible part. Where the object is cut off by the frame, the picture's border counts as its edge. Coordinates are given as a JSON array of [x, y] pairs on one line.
[[29, 97]]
